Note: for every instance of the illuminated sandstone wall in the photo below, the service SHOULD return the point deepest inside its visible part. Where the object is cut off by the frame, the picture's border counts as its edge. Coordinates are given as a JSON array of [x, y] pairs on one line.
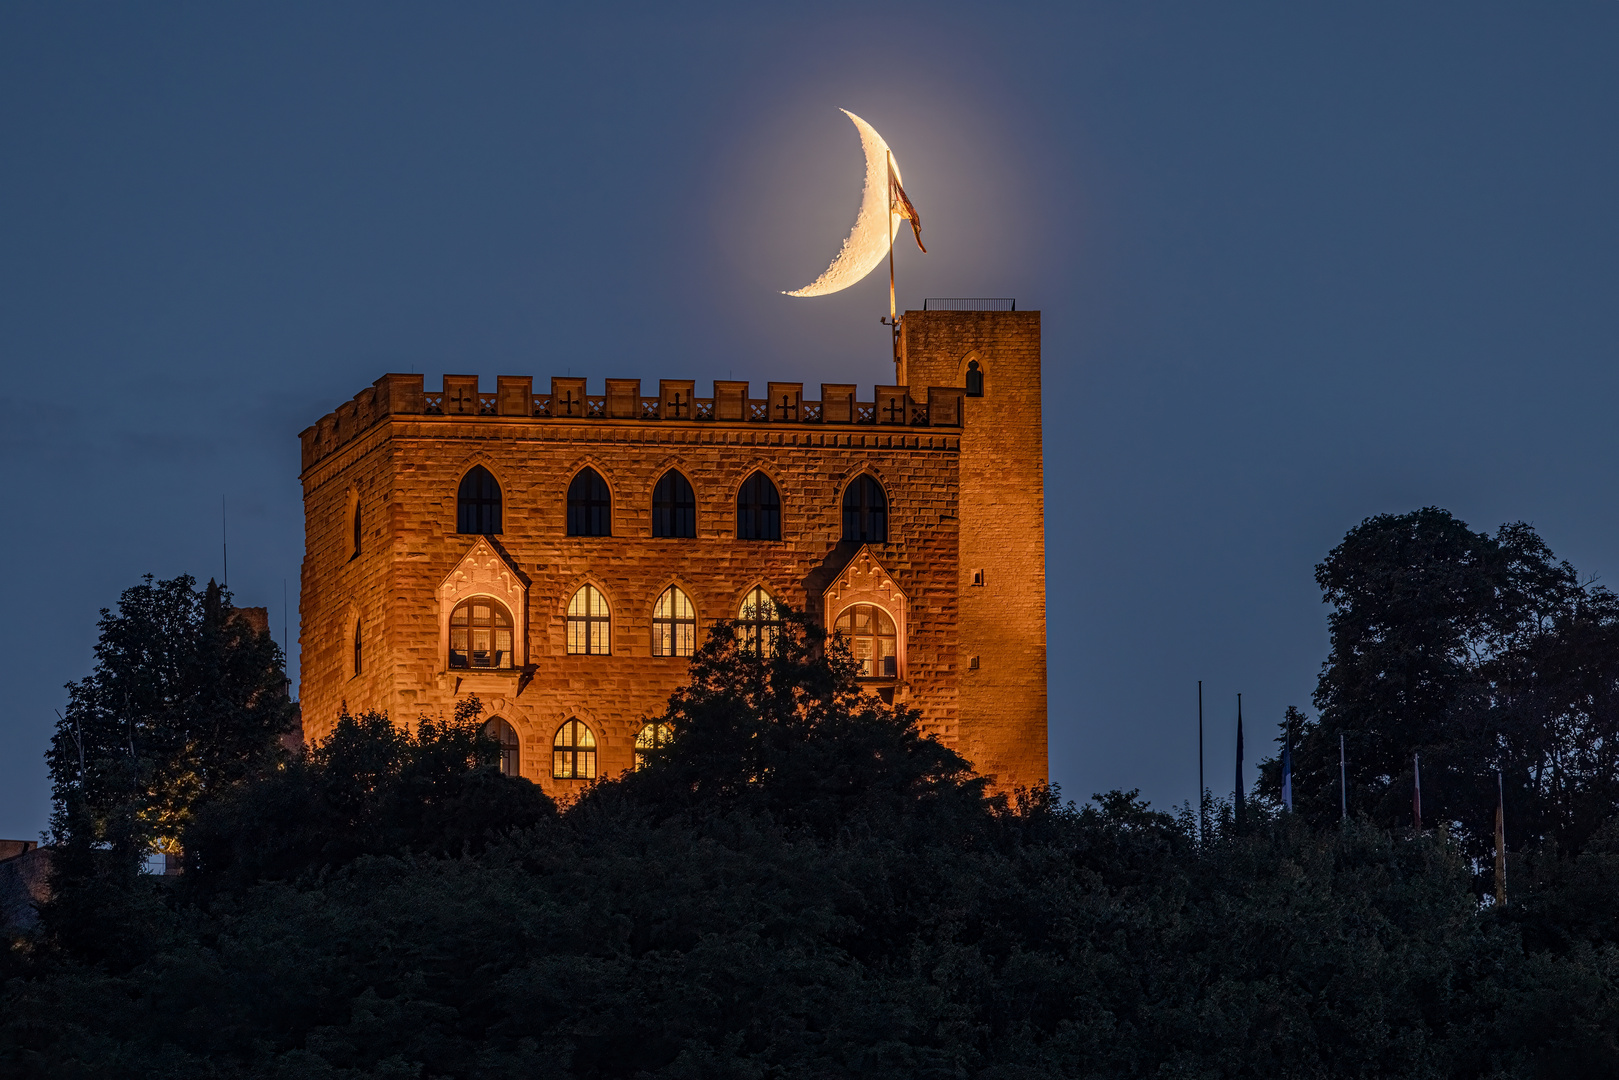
[[404, 466], [1002, 725]]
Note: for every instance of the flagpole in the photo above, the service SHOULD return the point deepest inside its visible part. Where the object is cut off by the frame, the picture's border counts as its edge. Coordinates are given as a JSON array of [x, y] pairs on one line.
[[1416, 792], [893, 312], [1202, 815], [1343, 777], [1239, 793]]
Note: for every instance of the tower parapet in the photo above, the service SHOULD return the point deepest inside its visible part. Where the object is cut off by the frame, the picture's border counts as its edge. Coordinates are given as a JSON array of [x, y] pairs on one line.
[[729, 402]]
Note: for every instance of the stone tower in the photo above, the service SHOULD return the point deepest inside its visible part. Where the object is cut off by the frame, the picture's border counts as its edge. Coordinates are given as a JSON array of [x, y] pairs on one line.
[[1002, 617], [912, 519]]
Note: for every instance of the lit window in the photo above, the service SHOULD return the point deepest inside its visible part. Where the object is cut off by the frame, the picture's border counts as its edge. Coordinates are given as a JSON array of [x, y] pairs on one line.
[[648, 738], [356, 646], [674, 624], [590, 506], [869, 633], [480, 635], [477, 504], [573, 752], [758, 509], [510, 748], [674, 506], [759, 621], [865, 511], [589, 625]]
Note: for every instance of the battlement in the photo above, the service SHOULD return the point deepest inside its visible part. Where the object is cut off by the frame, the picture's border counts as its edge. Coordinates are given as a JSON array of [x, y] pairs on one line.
[[514, 398]]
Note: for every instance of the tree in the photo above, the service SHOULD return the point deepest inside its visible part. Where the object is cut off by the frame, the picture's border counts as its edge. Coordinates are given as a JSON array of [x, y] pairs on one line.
[[788, 731], [372, 788], [1477, 652], [186, 698]]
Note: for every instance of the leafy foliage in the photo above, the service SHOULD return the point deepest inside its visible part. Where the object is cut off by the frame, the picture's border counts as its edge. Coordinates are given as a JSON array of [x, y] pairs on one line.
[[797, 885], [1480, 653]]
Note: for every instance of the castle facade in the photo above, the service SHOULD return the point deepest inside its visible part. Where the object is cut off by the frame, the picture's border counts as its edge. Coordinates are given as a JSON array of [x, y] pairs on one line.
[[561, 554]]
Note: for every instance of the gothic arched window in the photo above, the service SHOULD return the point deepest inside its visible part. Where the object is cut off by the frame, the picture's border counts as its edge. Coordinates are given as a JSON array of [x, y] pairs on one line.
[[674, 506], [477, 504], [865, 511], [758, 509], [650, 737], [674, 624], [590, 505], [759, 621], [590, 625], [573, 752], [975, 379], [480, 635], [356, 646], [869, 632], [510, 748]]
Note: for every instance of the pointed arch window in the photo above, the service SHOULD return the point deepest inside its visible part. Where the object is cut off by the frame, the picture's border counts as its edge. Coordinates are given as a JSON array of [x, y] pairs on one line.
[[758, 509], [357, 666], [590, 624], [480, 635], [510, 746], [865, 511], [869, 632], [759, 621], [573, 752], [650, 737], [674, 506], [674, 624], [590, 505], [477, 504]]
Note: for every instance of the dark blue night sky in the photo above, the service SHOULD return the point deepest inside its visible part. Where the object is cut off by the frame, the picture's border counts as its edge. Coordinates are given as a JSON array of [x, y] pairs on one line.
[[1298, 266]]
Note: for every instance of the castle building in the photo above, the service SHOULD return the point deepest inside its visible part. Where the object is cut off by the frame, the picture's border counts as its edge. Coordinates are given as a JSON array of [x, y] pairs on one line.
[[560, 554]]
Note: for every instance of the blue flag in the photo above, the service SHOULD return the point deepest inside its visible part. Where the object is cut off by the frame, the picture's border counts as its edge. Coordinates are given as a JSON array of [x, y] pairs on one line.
[[1238, 800], [1287, 772]]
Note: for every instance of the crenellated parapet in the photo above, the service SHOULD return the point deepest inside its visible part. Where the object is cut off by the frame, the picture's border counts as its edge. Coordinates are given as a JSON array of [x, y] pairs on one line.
[[676, 402]]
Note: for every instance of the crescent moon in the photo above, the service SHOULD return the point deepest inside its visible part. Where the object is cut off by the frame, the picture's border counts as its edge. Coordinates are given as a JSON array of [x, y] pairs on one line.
[[868, 242]]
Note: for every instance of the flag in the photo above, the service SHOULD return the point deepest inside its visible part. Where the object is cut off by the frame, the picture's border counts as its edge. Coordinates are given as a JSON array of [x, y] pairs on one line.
[[1287, 769], [1416, 792], [1500, 843], [902, 206], [1239, 799]]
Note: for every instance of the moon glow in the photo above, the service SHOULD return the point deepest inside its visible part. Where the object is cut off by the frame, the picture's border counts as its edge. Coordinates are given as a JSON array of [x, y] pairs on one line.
[[868, 242]]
